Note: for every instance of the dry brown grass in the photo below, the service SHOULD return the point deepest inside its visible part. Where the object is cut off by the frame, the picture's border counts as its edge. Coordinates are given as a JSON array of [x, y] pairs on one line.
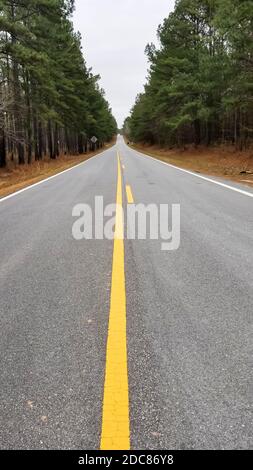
[[224, 162], [18, 177]]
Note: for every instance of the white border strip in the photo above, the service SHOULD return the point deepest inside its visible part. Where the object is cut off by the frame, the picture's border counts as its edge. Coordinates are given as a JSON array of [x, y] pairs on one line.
[[4, 198], [223, 185]]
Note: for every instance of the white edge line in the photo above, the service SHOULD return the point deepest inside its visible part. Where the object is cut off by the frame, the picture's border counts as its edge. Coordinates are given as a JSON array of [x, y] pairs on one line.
[[227, 186], [51, 177]]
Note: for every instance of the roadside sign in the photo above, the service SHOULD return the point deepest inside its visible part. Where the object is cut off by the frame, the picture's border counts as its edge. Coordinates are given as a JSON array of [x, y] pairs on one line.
[[94, 139]]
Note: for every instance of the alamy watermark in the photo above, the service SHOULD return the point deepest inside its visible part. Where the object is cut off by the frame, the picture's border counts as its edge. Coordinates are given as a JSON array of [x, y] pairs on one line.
[[142, 222]]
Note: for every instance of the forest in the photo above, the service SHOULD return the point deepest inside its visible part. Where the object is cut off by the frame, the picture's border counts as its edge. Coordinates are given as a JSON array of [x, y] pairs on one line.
[[50, 101], [199, 88]]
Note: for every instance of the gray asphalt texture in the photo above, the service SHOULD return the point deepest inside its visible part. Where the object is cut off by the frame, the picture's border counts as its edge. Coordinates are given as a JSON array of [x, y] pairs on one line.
[[189, 314]]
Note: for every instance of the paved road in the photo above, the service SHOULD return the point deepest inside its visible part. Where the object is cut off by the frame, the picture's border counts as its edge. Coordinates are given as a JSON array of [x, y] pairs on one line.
[[189, 313]]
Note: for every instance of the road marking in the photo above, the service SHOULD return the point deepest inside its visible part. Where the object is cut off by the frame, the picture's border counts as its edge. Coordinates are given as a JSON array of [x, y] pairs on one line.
[[16, 193], [223, 185], [115, 419], [130, 198], [123, 166]]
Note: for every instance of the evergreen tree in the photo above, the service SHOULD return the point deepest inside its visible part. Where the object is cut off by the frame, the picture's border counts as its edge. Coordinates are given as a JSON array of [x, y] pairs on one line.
[[200, 82], [50, 103]]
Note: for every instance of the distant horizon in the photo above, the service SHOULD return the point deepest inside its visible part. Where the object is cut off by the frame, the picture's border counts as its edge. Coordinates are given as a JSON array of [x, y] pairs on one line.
[[114, 49]]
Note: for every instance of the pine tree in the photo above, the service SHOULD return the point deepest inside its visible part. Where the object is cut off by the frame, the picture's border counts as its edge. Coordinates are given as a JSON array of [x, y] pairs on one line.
[[199, 87], [50, 102]]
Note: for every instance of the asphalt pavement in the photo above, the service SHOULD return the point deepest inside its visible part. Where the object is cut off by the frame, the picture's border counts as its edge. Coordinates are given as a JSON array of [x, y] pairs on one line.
[[189, 312]]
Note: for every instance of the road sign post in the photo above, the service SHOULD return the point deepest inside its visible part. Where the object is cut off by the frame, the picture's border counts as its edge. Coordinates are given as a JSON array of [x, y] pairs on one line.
[[94, 141]]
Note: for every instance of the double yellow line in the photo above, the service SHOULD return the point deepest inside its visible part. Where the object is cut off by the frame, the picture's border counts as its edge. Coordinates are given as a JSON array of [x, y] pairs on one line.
[[115, 419]]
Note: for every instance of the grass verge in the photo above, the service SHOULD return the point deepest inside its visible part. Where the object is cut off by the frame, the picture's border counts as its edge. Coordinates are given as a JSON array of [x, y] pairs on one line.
[[17, 177], [221, 161]]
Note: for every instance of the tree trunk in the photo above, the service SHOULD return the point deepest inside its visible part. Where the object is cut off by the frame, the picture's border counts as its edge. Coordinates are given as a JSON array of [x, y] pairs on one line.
[[2, 150], [80, 144], [197, 132], [29, 121], [56, 142], [35, 135], [50, 141]]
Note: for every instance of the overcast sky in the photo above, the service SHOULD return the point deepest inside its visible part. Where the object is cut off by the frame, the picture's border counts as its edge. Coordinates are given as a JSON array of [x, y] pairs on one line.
[[115, 33]]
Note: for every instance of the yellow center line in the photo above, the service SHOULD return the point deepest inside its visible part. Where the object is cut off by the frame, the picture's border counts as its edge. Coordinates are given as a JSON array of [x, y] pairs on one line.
[[129, 193], [115, 419]]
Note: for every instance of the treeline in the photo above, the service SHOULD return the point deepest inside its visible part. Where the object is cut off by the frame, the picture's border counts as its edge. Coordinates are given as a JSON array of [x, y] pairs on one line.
[[50, 103], [200, 84]]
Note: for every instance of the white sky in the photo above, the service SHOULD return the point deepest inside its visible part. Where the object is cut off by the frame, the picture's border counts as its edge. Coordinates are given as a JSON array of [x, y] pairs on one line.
[[115, 34]]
